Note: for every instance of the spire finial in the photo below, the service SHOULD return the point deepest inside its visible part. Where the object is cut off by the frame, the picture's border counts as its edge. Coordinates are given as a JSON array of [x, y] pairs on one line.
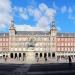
[[12, 21], [53, 21]]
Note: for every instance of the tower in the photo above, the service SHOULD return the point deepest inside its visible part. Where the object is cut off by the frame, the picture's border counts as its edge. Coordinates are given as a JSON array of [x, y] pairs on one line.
[[53, 33], [53, 29], [12, 28]]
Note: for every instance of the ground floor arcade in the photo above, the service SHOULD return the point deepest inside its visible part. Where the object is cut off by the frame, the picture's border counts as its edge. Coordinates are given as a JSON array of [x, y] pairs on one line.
[[35, 57]]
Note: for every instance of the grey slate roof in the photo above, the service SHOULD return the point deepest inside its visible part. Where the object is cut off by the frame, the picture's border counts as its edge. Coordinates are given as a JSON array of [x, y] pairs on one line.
[[65, 34], [31, 33], [4, 34]]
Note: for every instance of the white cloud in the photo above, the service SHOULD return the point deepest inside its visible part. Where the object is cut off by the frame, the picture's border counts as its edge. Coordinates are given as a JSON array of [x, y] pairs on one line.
[[50, 13], [55, 6], [43, 7], [71, 17], [43, 22], [42, 15], [63, 9], [30, 10], [23, 13], [37, 14], [24, 16], [29, 28], [70, 10], [5, 10]]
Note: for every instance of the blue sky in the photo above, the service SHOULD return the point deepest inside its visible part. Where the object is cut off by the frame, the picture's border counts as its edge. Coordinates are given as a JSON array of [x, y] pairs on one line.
[[37, 14]]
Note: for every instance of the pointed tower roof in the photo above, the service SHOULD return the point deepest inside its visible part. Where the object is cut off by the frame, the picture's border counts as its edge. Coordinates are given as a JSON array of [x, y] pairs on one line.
[[53, 25], [12, 23]]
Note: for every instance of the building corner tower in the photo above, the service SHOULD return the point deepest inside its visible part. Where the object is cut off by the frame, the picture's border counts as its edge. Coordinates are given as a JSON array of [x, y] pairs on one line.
[[53, 34], [12, 28]]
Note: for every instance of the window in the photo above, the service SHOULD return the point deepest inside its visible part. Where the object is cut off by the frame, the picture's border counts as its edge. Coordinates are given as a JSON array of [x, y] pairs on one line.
[[19, 39], [72, 48], [68, 49], [58, 39], [65, 44], [68, 44], [6, 44], [71, 39], [65, 49], [71, 43], [0, 39], [58, 48], [62, 48], [0, 44], [62, 39], [62, 44], [6, 39], [3, 39], [65, 39], [49, 38], [68, 39]]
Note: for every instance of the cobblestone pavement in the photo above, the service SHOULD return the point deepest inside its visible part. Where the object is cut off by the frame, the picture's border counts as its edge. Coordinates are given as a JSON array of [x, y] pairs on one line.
[[37, 69], [17, 61]]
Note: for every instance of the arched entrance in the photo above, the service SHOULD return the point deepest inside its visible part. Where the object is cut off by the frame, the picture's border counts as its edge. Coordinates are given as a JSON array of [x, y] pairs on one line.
[[45, 55], [19, 56], [11, 55], [15, 55], [24, 56], [53, 54]]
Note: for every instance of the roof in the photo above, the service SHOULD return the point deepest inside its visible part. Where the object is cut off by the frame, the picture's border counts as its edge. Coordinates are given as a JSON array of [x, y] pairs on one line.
[[4, 34], [31, 33], [65, 34]]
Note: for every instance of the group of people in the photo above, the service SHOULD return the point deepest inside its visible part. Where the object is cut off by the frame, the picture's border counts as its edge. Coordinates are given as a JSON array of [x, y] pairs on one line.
[[65, 59], [44, 58]]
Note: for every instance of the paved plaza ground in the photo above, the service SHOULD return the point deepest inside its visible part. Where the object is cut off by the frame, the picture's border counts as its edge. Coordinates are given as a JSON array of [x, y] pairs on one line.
[[37, 69]]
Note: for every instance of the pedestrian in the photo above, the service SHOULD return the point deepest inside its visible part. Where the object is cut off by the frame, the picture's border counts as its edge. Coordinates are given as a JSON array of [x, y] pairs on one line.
[[37, 59], [45, 58], [70, 61]]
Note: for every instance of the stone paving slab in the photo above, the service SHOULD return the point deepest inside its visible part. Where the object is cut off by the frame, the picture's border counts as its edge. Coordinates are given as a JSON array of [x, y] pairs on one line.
[[37, 69]]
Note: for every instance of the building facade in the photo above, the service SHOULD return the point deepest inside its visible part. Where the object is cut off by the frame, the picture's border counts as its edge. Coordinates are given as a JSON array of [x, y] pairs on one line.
[[36, 46]]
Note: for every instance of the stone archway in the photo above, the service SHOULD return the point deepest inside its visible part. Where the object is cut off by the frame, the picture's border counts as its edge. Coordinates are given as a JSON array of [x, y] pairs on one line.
[[24, 55], [45, 55], [15, 55], [11, 55], [20, 56]]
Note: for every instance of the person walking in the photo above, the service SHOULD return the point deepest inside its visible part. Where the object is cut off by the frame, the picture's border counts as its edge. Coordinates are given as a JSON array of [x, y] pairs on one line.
[[70, 61]]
